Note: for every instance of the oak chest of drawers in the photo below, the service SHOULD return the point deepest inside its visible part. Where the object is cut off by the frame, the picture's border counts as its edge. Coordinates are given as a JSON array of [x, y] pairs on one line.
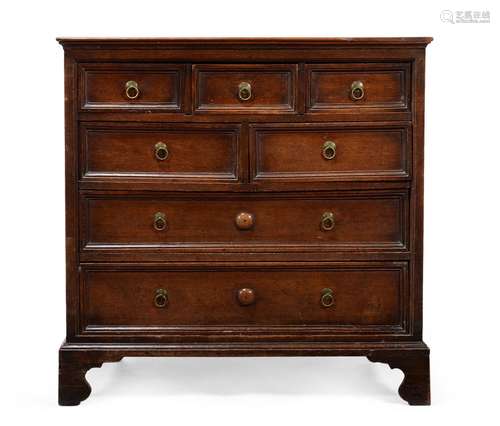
[[233, 197]]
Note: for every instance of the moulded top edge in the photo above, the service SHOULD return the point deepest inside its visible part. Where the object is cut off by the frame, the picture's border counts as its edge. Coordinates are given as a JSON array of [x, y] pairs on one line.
[[213, 43]]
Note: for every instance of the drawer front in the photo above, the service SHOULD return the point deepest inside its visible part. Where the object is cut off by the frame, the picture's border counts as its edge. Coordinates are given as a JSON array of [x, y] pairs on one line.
[[245, 88], [313, 152], [358, 87], [131, 87], [150, 299], [376, 221], [181, 152]]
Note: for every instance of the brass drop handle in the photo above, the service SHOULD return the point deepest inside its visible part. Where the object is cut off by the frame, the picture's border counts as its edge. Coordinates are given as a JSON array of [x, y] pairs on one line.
[[132, 89], [246, 296], [327, 221], [160, 221], [244, 221], [244, 91], [327, 300], [357, 90], [161, 298], [161, 151], [329, 150]]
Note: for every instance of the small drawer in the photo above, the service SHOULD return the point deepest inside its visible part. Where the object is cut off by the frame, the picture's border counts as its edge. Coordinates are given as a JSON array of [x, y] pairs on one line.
[[171, 152], [358, 86], [329, 152], [245, 88], [131, 87], [353, 298], [245, 221]]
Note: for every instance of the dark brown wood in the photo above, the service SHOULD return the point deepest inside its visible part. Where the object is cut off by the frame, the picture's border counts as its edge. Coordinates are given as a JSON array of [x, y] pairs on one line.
[[416, 386], [124, 299], [374, 220], [273, 88], [246, 296], [280, 270], [73, 365], [194, 152], [386, 86], [77, 359], [294, 152], [103, 86], [245, 220], [202, 223]]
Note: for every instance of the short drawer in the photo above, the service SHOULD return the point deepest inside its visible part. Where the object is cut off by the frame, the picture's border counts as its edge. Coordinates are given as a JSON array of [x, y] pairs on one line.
[[351, 298], [358, 87], [278, 221], [131, 87], [327, 152], [245, 88], [179, 152]]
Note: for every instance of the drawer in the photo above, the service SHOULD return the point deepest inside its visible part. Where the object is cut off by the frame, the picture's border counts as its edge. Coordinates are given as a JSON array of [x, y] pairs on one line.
[[352, 298], [131, 87], [278, 221], [180, 152], [327, 152], [245, 88], [358, 87]]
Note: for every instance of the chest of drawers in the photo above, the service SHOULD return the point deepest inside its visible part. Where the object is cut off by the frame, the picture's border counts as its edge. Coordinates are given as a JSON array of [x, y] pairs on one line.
[[244, 197]]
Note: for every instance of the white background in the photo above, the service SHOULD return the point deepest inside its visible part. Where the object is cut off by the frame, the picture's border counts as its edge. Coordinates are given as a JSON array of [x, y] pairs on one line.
[[461, 297]]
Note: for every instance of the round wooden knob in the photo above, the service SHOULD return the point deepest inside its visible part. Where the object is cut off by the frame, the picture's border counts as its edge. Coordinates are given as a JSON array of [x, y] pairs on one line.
[[245, 220], [246, 296]]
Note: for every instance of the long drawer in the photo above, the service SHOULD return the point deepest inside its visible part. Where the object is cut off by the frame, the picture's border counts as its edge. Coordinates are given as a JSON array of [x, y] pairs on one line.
[[147, 298], [376, 219]]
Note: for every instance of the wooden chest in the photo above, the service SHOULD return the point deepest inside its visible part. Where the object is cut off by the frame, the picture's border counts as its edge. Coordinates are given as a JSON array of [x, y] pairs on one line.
[[244, 197]]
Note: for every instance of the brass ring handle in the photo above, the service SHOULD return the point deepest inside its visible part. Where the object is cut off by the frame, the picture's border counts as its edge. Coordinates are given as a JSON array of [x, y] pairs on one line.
[[244, 220], [327, 221], [160, 221], [357, 90], [161, 298], [329, 150], [327, 300], [246, 296], [244, 91], [132, 89], [161, 151]]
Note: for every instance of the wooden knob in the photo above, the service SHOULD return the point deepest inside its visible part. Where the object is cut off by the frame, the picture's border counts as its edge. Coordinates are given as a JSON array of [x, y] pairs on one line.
[[246, 296], [244, 220]]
